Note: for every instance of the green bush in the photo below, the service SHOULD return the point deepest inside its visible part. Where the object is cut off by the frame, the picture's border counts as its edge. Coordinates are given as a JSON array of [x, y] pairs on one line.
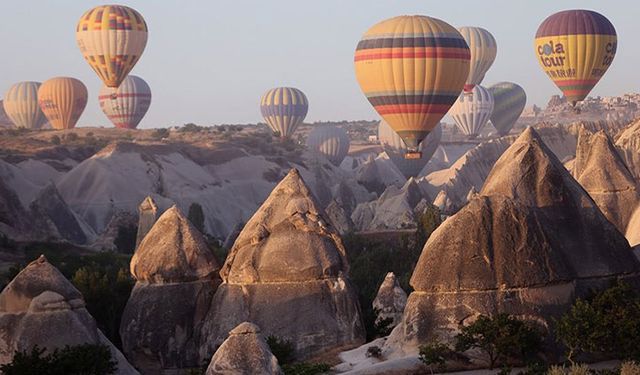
[[607, 324], [72, 360], [71, 137], [160, 133], [305, 368], [435, 356], [282, 349], [55, 140], [500, 338]]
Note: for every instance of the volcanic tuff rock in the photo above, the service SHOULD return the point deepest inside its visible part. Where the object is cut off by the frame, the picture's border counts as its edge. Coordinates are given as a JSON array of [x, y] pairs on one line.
[[633, 229], [244, 352], [390, 300], [176, 277], [628, 143], [14, 219], [287, 272], [51, 212], [528, 245], [395, 209], [148, 212], [377, 173], [41, 307], [472, 169], [602, 172]]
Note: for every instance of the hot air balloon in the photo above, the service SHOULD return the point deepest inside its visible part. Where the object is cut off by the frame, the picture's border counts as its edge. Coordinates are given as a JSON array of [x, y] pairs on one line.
[[483, 52], [111, 39], [284, 108], [62, 100], [472, 110], [412, 69], [575, 48], [395, 148], [509, 100], [21, 105], [330, 141], [126, 105]]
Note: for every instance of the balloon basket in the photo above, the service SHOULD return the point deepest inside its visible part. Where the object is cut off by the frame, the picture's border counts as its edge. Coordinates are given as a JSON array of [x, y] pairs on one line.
[[413, 155]]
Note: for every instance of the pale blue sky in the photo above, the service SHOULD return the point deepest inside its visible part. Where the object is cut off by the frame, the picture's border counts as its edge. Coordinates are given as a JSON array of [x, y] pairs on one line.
[[209, 61]]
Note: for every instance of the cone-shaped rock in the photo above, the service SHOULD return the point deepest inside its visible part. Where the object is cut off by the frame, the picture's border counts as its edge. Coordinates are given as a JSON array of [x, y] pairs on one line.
[[173, 251], [604, 175], [633, 229], [528, 244], [244, 352], [390, 300], [176, 277], [41, 307], [287, 272]]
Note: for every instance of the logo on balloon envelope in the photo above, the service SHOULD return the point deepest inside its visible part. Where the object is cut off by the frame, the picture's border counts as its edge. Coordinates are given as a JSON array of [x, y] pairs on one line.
[[551, 54]]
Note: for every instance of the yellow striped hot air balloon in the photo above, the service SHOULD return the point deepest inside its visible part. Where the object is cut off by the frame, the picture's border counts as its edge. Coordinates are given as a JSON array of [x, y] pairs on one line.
[[412, 69], [284, 108], [111, 39], [62, 100], [575, 48], [21, 105]]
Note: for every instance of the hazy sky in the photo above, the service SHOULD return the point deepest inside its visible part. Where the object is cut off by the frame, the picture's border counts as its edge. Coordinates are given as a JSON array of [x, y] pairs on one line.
[[209, 61]]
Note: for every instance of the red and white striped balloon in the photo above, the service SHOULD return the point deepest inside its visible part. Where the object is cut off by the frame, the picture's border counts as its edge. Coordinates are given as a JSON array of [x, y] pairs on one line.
[[126, 105]]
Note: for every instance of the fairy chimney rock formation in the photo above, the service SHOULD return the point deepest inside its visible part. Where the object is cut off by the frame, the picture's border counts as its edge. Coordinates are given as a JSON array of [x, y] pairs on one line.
[[244, 352], [176, 277], [604, 175], [41, 307], [390, 300], [287, 273], [528, 244]]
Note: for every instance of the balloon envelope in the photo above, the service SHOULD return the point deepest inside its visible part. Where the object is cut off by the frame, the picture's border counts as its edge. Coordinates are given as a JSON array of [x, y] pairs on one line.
[[21, 105], [126, 105], [111, 39], [284, 109], [509, 101], [330, 141], [472, 110], [412, 69], [483, 53], [395, 148], [575, 48], [62, 100]]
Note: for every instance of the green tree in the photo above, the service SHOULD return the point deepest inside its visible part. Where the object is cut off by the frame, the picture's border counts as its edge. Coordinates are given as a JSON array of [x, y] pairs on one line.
[[72, 360], [435, 355], [196, 216], [500, 337], [55, 140]]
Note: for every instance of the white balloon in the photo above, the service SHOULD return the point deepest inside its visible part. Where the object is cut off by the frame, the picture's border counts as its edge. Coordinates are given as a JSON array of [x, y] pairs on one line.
[[472, 110], [126, 105]]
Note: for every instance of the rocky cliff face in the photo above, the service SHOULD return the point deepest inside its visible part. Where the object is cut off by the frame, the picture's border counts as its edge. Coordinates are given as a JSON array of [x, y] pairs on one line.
[[287, 272], [471, 170], [603, 174], [528, 244], [628, 144], [244, 352], [176, 277], [397, 208], [40, 307]]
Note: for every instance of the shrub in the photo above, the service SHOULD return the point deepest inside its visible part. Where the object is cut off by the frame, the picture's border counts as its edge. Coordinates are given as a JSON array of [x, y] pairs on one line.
[[435, 355], [71, 137], [55, 140], [305, 368], [500, 338], [607, 324], [106, 293], [373, 351], [160, 133], [81, 359], [281, 348]]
